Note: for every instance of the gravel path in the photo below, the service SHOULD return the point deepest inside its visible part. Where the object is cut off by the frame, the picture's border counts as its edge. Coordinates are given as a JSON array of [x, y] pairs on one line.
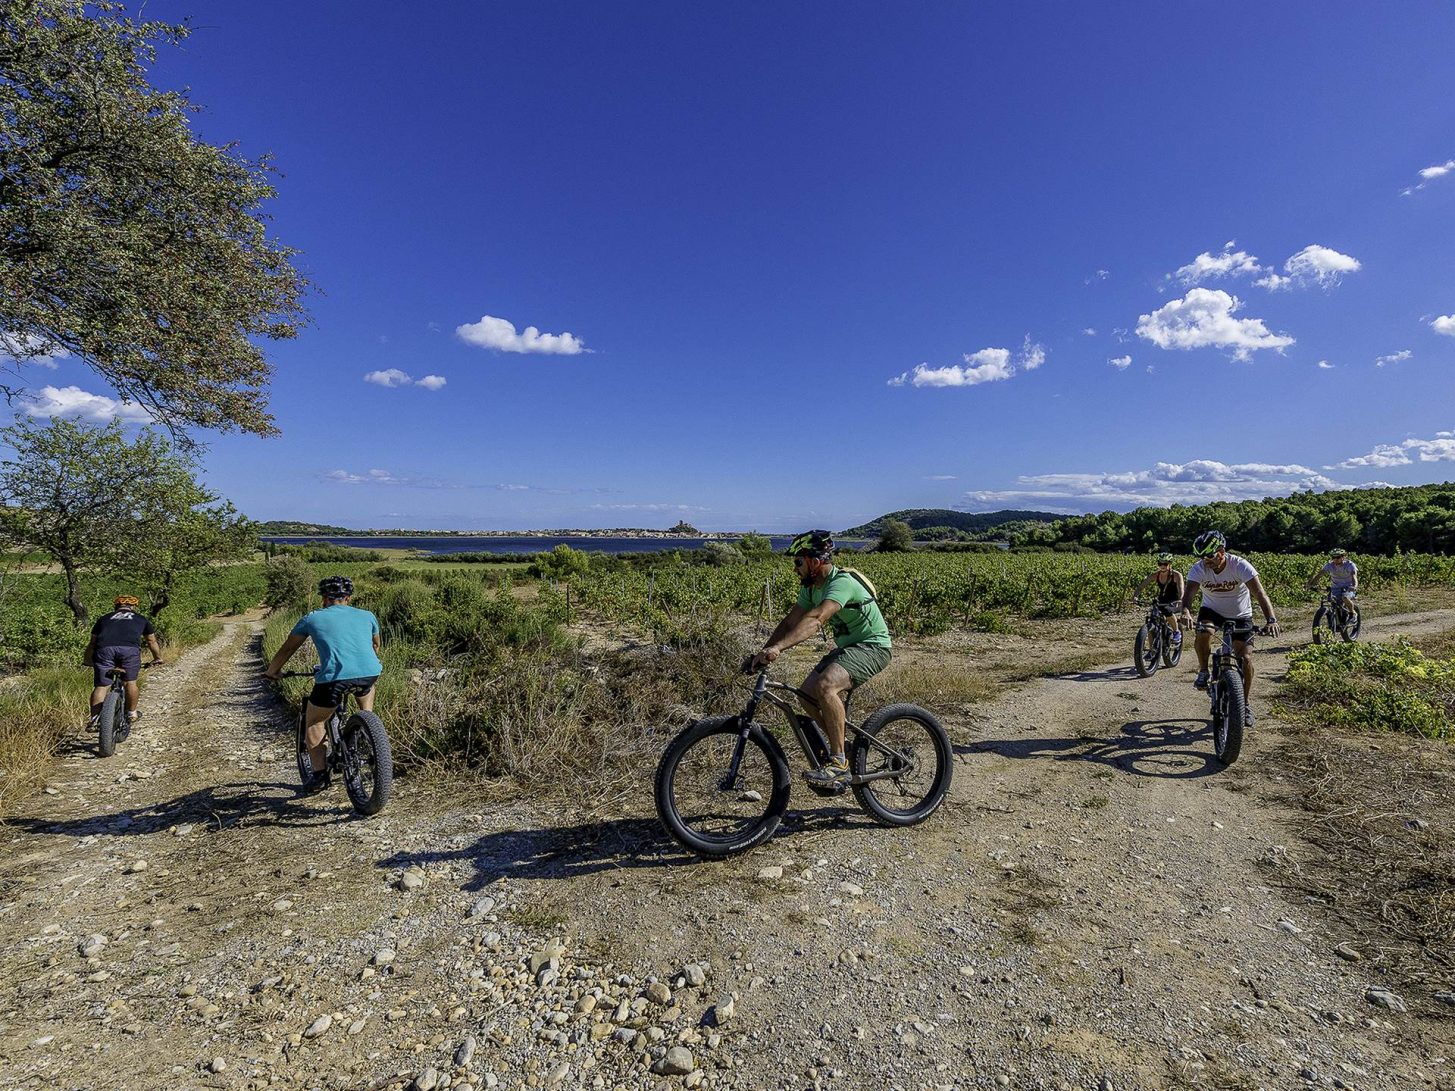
[[1092, 909]]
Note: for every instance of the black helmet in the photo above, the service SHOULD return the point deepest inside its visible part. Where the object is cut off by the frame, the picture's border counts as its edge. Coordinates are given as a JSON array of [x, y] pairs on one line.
[[1209, 542], [335, 587], [812, 543]]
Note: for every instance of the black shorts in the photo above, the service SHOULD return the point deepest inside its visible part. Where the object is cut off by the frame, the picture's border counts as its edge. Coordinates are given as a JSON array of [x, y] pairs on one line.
[[1210, 621], [120, 658], [332, 694]]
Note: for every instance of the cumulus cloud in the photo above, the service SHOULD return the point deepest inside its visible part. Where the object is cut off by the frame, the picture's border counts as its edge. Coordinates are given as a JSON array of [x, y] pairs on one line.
[[72, 401], [1121, 363], [499, 334], [985, 366], [1204, 319], [1200, 481], [1274, 283], [1430, 174], [24, 348], [1320, 265], [1439, 449], [1393, 358], [393, 377], [1089, 331], [1325, 365], [1227, 263], [1444, 324]]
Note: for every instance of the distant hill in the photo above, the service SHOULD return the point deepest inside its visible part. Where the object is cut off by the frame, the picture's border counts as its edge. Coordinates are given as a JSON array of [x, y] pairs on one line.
[[287, 528], [920, 519]]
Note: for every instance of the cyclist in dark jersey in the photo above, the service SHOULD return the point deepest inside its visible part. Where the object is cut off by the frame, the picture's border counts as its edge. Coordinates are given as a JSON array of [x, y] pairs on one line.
[[115, 644], [1169, 591]]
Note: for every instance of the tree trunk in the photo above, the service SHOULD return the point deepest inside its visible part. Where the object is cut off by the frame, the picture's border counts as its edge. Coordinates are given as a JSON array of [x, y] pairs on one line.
[[161, 597], [73, 595]]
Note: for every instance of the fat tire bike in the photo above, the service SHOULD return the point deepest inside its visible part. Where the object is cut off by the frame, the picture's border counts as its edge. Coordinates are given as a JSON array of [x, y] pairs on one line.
[[1227, 699], [358, 752], [112, 726], [1154, 646], [1338, 618], [722, 784]]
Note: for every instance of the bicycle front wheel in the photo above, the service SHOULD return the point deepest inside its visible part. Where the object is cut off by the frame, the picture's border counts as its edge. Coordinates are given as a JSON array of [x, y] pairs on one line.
[[704, 808], [1228, 719], [113, 714], [1149, 655], [907, 755], [1324, 628], [368, 762], [1352, 621]]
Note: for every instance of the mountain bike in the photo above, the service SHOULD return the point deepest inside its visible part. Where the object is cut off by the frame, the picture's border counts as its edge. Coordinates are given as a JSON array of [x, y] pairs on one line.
[[1336, 616], [358, 750], [1229, 703], [722, 784], [1154, 645], [113, 728]]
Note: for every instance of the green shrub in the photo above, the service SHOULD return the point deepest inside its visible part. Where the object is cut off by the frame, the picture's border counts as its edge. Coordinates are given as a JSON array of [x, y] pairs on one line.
[[289, 582], [1378, 687], [561, 563]]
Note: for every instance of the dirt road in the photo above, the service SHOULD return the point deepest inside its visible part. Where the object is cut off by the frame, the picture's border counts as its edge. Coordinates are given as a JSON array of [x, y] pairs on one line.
[[1091, 909]]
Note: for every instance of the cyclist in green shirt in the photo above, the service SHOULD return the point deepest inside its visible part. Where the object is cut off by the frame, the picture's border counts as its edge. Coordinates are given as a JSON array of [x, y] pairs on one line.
[[844, 602]]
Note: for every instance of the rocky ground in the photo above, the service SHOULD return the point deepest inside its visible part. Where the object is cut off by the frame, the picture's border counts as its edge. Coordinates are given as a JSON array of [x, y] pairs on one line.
[[1096, 907]]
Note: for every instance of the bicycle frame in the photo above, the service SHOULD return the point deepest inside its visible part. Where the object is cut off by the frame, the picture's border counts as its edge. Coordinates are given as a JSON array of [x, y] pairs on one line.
[[1221, 660], [764, 690]]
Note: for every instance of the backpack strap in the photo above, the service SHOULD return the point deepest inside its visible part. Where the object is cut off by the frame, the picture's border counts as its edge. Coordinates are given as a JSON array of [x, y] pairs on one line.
[[863, 582]]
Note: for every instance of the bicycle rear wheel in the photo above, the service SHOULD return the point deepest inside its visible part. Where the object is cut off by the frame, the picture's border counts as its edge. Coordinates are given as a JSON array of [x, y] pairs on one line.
[[368, 762], [110, 729], [701, 808], [1228, 718], [919, 757], [1148, 652]]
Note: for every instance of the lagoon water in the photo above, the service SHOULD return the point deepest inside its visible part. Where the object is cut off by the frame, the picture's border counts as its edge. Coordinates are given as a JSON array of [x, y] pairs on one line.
[[517, 544]]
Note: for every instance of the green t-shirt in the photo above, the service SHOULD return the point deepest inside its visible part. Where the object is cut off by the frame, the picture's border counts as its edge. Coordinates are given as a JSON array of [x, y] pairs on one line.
[[858, 620]]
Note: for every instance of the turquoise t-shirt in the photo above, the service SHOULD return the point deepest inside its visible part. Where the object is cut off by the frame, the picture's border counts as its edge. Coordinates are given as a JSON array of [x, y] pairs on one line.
[[344, 637], [858, 620]]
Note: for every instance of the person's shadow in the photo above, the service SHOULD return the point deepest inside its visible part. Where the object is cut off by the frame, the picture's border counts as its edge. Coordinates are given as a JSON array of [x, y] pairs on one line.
[[1175, 749]]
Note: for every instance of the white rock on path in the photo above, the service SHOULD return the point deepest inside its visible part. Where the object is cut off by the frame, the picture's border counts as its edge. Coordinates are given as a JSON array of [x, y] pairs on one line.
[[412, 879], [318, 1026], [770, 873], [94, 945], [1383, 998], [426, 1080], [677, 1062]]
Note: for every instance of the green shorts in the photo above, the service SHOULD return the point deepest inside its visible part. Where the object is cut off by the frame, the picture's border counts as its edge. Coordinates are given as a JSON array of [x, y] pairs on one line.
[[862, 661]]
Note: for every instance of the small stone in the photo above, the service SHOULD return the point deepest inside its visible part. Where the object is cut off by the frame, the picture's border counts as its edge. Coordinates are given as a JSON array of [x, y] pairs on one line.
[[48, 790], [694, 974], [1002, 1080], [134, 867], [770, 873], [219, 1064], [658, 993], [94, 945], [853, 890], [559, 1073], [383, 956], [751, 796], [427, 1080], [1383, 998], [282, 905], [1417, 824], [724, 1010], [318, 1026], [1288, 926], [483, 907], [357, 1025], [465, 1053], [586, 1005], [1348, 952], [678, 1061], [1445, 997], [412, 879]]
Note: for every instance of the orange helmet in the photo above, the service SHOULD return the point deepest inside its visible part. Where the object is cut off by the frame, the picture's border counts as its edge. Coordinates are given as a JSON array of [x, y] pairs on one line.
[[127, 600]]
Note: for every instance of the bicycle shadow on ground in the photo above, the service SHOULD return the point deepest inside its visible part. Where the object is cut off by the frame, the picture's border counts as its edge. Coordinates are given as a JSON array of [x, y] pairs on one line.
[[1174, 749], [611, 844], [1111, 674], [214, 808]]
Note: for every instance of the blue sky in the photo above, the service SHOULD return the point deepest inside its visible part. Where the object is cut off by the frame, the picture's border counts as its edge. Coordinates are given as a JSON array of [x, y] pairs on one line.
[[776, 265]]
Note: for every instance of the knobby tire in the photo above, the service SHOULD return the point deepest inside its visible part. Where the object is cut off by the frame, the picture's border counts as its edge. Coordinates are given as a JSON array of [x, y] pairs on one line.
[[1228, 720], [917, 735], [368, 762], [697, 811], [113, 712], [1148, 655]]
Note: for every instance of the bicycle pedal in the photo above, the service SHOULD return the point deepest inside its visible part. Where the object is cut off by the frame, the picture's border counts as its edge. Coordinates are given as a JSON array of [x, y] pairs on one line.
[[829, 789]]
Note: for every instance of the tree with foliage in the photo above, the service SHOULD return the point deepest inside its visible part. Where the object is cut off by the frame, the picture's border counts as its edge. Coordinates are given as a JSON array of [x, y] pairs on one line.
[[92, 500], [755, 546], [561, 563], [124, 240], [288, 580], [895, 536]]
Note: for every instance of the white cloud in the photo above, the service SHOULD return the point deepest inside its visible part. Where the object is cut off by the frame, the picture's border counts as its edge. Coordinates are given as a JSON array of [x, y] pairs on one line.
[[1274, 283], [1121, 363], [1089, 331], [940, 477], [1228, 263], [1439, 449], [1393, 358], [24, 348], [1204, 319], [72, 401], [1325, 365], [372, 477], [1320, 265], [687, 508], [1200, 481], [1444, 324], [499, 334], [1429, 174], [431, 382], [391, 378], [985, 366]]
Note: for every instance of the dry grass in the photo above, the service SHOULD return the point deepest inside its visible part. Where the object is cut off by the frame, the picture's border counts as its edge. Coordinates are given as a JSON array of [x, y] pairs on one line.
[[36, 713]]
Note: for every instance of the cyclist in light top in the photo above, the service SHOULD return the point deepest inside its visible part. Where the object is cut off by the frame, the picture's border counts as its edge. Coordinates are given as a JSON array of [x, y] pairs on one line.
[[1228, 583], [1169, 590], [844, 602], [347, 640], [1343, 576]]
